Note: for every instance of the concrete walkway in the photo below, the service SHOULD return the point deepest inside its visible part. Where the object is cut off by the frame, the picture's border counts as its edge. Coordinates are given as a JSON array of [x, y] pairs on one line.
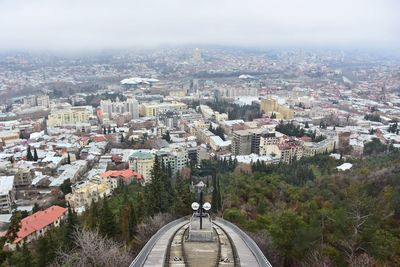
[[159, 250]]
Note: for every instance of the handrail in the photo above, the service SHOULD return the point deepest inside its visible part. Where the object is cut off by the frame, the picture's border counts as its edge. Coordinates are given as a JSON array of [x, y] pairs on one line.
[[144, 253]]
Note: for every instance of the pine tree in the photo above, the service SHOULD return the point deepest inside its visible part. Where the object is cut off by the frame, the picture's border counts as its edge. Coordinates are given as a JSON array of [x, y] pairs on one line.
[[35, 208], [132, 223], [13, 229], [128, 221], [216, 194], [107, 226], [92, 219], [159, 192], [65, 187], [124, 222], [29, 156], [183, 196], [43, 251], [35, 155], [70, 227], [27, 259]]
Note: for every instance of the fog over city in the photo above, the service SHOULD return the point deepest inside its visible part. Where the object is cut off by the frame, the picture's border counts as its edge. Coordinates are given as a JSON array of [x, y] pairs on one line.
[[76, 25]]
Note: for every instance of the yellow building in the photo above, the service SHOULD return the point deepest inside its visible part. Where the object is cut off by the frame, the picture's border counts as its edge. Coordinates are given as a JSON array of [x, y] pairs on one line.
[[177, 93], [142, 162], [69, 115], [269, 106], [196, 126], [312, 148], [152, 109], [83, 194], [8, 137]]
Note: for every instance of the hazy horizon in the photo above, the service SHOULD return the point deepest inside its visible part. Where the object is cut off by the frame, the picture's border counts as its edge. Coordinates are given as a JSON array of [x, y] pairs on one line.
[[86, 25]]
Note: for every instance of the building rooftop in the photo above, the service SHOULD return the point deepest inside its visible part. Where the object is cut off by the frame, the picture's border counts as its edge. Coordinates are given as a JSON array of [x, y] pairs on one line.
[[124, 174], [38, 221], [6, 184], [142, 155]]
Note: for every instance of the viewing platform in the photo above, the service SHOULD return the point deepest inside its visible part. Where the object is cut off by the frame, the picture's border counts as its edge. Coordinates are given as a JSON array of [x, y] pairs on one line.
[[171, 246]]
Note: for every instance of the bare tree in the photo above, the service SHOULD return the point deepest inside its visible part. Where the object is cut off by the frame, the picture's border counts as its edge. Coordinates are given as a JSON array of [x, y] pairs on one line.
[[150, 226], [316, 259], [362, 260], [94, 250]]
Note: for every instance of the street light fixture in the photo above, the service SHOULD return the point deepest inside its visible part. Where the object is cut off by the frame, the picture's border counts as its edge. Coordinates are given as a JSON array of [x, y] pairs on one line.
[[200, 188]]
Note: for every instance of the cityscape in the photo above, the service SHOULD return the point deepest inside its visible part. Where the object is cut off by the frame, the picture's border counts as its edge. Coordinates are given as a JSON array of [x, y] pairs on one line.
[[200, 154]]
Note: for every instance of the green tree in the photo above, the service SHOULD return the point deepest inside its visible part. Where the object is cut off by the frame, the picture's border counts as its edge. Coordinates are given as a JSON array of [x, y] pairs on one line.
[[291, 236], [65, 187], [35, 155], [167, 137], [216, 194], [35, 208], [183, 196], [44, 251], [69, 229], [15, 225], [29, 156], [22, 257], [107, 224], [374, 147], [133, 221], [159, 192]]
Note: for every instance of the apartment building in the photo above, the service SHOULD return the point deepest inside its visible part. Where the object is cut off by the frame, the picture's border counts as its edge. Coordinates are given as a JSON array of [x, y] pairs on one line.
[[246, 142], [7, 193], [111, 109], [269, 106], [174, 158], [152, 109], [23, 176], [68, 115], [313, 148], [142, 162], [87, 191], [290, 150]]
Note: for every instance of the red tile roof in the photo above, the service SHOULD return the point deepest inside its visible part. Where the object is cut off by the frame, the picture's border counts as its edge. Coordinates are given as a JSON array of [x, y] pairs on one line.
[[99, 138], [124, 174], [39, 220]]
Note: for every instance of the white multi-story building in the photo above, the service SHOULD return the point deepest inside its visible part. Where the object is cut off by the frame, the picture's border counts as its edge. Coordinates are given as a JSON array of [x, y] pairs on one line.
[[7, 192], [174, 158], [111, 109]]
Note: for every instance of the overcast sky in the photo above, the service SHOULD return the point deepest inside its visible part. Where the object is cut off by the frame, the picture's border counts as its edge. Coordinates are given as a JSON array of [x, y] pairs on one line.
[[98, 24]]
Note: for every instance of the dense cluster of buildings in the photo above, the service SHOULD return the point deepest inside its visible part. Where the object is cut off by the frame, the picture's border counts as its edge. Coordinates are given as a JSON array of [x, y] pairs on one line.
[[100, 139]]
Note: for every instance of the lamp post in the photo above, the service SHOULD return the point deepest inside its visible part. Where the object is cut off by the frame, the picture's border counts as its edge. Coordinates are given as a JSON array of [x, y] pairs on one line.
[[200, 188]]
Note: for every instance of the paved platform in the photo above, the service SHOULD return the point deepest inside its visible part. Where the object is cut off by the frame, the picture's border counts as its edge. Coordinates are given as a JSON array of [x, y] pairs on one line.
[[159, 250]]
